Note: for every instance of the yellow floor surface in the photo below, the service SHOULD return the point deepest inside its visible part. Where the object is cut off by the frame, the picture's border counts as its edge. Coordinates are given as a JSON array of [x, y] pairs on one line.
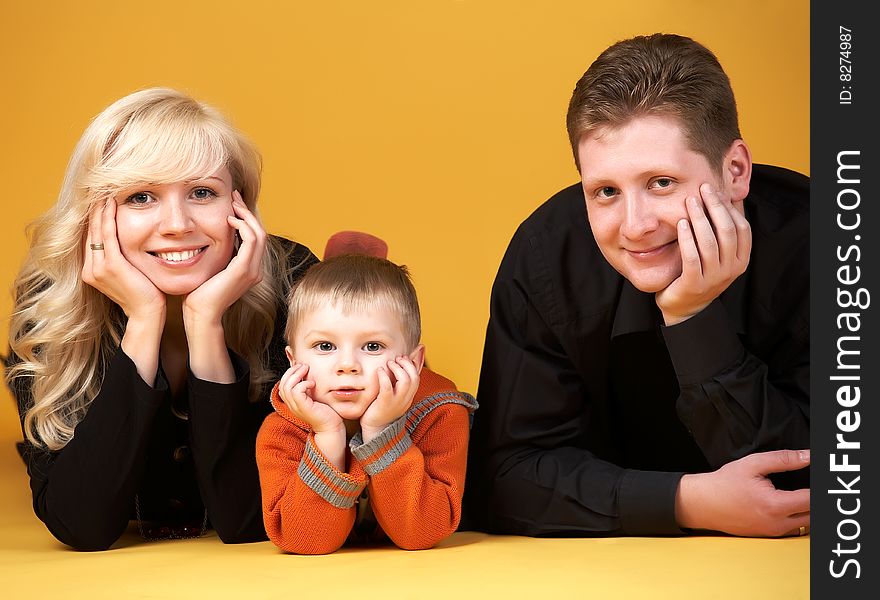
[[468, 565]]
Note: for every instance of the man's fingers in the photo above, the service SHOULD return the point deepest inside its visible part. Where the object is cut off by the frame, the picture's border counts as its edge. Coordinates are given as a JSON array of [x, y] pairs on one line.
[[794, 504], [704, 235], [691, 267], [743, 236], [777, 461], [719, 211], [799, 525]]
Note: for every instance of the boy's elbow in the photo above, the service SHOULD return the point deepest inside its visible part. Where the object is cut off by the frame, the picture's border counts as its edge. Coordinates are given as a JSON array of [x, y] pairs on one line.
[[307, 547], [424, 539]]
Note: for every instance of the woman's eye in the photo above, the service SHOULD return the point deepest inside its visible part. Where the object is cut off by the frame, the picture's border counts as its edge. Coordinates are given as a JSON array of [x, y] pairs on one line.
[[138, 198], [372, 346], [203, 193], [324, 346]]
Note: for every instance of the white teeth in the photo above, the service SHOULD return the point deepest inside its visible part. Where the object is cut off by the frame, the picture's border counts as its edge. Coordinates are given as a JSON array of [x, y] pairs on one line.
[[178, 256]]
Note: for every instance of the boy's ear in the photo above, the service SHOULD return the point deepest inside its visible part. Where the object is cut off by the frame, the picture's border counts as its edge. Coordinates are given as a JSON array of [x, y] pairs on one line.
[[417, 356], [737, 170], [289, 352]]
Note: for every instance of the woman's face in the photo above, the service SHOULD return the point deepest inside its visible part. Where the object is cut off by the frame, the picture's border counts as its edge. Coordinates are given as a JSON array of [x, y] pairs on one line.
[[177, 234]]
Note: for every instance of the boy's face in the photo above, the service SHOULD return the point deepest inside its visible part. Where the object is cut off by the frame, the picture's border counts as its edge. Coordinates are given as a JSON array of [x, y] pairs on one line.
[[344, 352], [636, 178]]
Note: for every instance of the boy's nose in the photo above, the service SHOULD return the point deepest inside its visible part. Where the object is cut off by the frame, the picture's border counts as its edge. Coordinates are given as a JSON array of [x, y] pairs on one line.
[[347, 366]]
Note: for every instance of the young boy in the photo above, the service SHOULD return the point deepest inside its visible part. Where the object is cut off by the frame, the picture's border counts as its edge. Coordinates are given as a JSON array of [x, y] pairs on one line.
[[363, 441]]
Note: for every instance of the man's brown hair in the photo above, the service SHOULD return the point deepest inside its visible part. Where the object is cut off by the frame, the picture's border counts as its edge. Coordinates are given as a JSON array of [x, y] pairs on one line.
[[660, 74]]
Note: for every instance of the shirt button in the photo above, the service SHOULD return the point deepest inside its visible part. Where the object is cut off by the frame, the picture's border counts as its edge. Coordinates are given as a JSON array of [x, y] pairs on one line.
[[181, 453]]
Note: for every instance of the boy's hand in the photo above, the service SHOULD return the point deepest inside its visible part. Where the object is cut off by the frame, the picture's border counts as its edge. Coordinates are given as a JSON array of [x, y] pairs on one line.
[[393, 400], [715, 249], [295, 390]]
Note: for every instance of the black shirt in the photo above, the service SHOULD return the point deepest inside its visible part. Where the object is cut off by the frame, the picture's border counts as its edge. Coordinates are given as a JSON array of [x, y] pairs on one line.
[[592, 410], [178, 456]]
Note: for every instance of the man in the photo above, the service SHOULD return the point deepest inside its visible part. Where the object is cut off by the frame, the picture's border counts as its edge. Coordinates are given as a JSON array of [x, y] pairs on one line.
[[646, 367]]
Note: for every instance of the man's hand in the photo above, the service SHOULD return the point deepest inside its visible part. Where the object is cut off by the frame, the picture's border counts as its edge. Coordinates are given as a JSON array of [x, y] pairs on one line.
[[715, 243], [394, 399], [740, 500]]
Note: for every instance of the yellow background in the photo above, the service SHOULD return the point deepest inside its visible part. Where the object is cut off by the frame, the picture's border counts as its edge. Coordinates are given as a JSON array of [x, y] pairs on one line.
[[436, 125]]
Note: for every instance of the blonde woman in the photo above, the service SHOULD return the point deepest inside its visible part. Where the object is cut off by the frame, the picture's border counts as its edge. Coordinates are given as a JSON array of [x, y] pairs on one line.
[[148, 317]]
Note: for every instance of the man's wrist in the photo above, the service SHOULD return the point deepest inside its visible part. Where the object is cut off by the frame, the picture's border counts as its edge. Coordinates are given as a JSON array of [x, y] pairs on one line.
[[687, 501], [671, 318]]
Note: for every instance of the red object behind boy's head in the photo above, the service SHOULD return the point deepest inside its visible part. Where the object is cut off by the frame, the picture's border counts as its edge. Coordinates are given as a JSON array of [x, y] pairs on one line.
[[355, 242]]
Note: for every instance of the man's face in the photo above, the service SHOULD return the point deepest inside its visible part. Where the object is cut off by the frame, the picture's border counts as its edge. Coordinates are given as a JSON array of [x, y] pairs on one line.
[[636, 178]]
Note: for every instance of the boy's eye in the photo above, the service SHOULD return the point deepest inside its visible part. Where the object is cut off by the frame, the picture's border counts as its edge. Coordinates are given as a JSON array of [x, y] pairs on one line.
[[324, 346], [372, 346]]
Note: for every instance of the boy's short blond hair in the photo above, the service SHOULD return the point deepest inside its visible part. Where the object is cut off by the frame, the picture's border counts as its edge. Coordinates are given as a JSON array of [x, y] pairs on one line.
[[356, 282]]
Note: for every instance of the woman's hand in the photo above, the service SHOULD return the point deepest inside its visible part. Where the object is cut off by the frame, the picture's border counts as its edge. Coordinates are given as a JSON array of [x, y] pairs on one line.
[[109, 272], [210, 301], [203, 308]]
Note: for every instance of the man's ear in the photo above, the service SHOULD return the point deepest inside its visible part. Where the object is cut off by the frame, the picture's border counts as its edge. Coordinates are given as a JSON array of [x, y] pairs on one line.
[[289, 352], [417, 356], [737, 170]]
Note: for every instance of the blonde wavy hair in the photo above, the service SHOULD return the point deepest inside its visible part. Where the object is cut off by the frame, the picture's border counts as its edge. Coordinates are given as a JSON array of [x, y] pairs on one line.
[[63, 332]]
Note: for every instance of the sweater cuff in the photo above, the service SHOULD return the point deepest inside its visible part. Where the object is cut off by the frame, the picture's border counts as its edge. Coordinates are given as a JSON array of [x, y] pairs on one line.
[[338, 488], [647, 503], [704, 345], [382, 450]]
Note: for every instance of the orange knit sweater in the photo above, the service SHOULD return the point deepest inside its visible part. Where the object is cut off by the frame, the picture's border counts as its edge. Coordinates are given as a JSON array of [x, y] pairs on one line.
[[413, 473]]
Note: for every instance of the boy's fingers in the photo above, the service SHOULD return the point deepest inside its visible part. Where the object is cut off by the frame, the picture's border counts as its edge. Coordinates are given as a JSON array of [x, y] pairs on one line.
[[400, 373], [385, 386], [408, 366]]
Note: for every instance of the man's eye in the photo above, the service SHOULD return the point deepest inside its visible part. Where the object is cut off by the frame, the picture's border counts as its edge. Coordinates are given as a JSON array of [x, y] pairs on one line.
[[324, 346], [606, 192], [372, 346], [662, 182]]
